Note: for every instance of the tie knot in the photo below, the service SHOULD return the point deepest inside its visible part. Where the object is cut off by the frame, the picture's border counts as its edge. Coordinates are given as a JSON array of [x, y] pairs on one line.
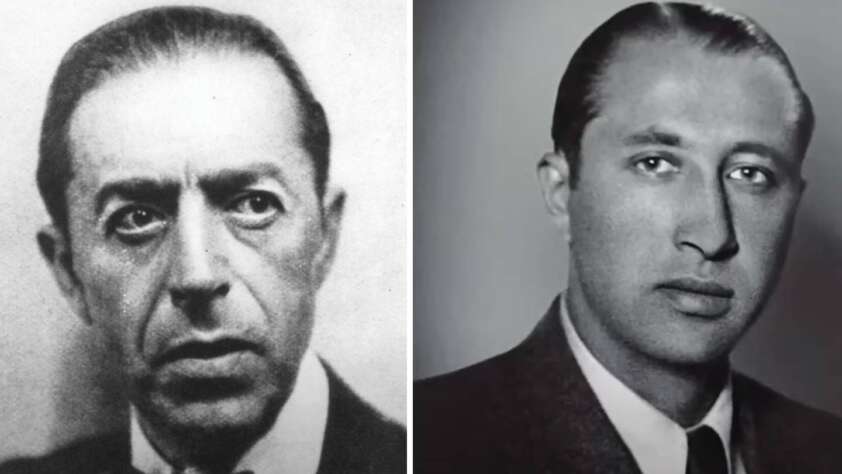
[[705, 453]]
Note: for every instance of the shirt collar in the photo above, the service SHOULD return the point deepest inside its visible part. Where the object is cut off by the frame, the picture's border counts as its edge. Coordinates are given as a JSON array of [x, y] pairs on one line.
[[658, 444], [293, 444]]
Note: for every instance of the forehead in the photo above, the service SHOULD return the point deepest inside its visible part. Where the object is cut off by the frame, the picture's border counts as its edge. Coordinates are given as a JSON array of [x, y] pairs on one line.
[[200, 112], [651, 81]]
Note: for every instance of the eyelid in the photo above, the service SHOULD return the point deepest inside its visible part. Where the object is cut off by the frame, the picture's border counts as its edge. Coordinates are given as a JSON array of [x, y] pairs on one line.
[[141, 234], [119, 203], [252, 192], [668, 158], [770, 175], [264, 185], [664, 155], [255, 220]]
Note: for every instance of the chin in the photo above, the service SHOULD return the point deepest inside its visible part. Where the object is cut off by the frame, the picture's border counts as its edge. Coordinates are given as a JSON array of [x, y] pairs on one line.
[[213, 421], [234, 413], [692, 349]]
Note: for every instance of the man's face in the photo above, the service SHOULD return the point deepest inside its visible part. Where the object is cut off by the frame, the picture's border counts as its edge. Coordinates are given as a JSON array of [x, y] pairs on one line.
[[196, 235], [684, 205]]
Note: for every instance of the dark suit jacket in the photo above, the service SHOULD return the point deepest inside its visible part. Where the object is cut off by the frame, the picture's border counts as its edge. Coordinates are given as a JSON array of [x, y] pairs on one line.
[[530, 410], [358, 439]]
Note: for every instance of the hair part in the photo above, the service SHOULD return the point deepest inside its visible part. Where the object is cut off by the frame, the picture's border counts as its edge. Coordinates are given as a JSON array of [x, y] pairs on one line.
[[711, 28], [143, 39]]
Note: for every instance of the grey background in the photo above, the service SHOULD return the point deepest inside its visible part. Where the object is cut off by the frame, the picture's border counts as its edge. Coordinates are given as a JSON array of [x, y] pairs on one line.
[[55, 379], [487, 261]]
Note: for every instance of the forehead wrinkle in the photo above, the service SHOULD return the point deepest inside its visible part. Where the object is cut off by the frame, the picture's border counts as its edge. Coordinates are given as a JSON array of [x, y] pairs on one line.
[[247, 174], [189, 177]]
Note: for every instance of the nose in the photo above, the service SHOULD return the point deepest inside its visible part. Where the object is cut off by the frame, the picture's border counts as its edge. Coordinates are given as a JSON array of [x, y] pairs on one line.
[[706, 225], [197, 273]]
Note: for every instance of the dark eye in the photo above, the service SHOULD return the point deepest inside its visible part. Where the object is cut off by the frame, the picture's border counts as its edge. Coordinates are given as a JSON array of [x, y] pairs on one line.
[[655, 166], [135, 224], [257, 209], [752, 175]]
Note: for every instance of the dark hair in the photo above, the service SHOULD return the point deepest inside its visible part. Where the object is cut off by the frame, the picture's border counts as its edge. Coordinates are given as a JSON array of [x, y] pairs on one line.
[[140, 39], [714, 30]]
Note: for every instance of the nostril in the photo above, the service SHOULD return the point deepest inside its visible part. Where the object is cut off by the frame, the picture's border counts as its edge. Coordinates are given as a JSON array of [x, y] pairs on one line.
[[222, 290], [179, 298], [182, 297]]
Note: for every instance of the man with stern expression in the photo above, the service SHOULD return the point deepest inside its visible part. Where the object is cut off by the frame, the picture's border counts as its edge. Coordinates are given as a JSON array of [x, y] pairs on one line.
[[184, 164], [679, 133]]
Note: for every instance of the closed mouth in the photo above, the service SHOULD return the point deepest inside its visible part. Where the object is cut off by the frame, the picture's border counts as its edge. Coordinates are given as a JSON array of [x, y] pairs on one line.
[[698, 298], [204, 350], [701, 287]]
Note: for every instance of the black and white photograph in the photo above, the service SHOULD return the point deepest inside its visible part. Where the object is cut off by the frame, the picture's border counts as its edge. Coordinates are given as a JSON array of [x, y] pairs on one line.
[[429, 236], [204, 244], [627, 237]]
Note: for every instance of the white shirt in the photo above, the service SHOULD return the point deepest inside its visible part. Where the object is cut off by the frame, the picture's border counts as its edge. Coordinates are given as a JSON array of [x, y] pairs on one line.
[[658, 444], [293, 444]]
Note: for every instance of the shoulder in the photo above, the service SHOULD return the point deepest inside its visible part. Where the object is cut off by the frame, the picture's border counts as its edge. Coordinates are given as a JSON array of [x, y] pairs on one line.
[[461, 418], [467, 390], [100, 453], [788, 432], [358, 438], [539, 363], [772, 409]]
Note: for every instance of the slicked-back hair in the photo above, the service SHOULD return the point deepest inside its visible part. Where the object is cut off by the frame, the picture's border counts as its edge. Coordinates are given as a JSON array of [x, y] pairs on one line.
[[711, 28], [140, 40]]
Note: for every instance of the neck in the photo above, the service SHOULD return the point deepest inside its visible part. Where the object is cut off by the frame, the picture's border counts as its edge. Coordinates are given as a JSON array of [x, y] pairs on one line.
[[683, 392], [199, 451]]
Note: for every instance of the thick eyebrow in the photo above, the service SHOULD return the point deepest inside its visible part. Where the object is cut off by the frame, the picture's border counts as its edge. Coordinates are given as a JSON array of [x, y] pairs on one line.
[[217, 184], [653, 136], [759, 149], [226, 181], [137, 189]]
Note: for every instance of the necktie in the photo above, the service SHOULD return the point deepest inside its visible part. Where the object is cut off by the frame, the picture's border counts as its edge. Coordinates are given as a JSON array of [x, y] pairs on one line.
[[705, 453]]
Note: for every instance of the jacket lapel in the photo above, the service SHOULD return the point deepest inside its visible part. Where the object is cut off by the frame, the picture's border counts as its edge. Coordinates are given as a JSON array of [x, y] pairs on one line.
[[568, 429]]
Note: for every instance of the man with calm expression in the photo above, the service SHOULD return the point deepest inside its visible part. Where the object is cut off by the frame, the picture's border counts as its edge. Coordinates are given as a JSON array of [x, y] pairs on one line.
[[184, 163], [680, 131]]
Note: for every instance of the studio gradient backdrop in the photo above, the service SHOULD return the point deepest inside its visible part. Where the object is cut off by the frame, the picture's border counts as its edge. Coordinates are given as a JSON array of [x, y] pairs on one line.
[[488, 262]]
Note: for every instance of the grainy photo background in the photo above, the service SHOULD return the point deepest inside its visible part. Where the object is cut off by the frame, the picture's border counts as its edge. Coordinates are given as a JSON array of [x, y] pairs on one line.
[[55, 378], [488, 261]]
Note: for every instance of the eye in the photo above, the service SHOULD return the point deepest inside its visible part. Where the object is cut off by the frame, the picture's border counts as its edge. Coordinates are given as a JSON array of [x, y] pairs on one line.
[[256, 209], [752, 175], [654, 165], [136, 224]]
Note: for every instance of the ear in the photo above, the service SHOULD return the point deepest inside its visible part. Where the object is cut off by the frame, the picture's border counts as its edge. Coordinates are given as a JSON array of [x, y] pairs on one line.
[[55, 248], [333, 208], [554, 177]]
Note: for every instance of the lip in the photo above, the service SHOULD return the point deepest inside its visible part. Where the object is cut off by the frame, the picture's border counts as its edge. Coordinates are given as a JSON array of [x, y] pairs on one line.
[[207, 350], [697, 297]]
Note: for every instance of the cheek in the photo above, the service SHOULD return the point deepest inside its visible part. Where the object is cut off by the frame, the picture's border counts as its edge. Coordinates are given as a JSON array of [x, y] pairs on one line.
[[624, 228], [764, 232], [121, 293], [276, 262], [276, 273]]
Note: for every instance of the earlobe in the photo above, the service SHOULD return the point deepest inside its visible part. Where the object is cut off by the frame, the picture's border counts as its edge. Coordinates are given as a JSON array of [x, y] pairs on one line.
[[554, 178], [333, 209], [55, 248]]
